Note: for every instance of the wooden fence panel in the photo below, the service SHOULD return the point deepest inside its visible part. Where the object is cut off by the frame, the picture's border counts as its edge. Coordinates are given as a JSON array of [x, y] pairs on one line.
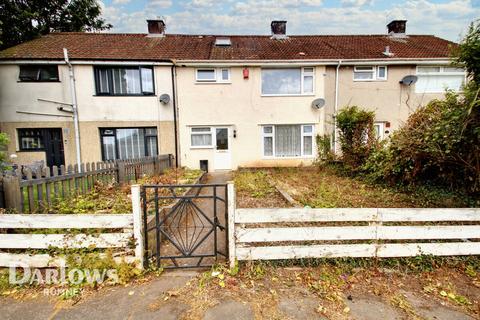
[[45, 241], [63, 221], [39, 189], [122, 232], [352, 232]]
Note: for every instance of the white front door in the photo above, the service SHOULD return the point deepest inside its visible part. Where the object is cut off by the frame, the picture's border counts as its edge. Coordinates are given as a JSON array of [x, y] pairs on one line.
[[223, 156]]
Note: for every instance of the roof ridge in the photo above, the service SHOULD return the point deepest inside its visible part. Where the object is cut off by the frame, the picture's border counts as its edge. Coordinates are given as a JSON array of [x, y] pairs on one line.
[[232, 35]]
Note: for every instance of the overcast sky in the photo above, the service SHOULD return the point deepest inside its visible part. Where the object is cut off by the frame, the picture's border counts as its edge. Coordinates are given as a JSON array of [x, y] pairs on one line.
[[446, 19]]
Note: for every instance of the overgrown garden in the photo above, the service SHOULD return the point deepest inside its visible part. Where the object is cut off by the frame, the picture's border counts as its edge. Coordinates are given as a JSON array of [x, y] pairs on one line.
[[438, 145]]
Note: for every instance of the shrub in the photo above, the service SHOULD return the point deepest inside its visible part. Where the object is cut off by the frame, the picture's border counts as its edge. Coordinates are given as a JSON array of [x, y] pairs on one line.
[[357, 135], [324, 148], [3, 146], [439, 143]]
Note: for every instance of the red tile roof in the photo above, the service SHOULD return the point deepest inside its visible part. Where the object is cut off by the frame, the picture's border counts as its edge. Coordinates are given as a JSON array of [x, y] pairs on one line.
[[109, 46]]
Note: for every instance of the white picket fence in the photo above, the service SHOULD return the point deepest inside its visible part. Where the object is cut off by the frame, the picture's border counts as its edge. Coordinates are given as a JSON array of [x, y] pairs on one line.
[[351, 232], [130, 225]]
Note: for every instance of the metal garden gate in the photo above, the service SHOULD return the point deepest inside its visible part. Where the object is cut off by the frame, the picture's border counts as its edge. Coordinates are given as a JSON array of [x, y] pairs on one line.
[[184, 225]]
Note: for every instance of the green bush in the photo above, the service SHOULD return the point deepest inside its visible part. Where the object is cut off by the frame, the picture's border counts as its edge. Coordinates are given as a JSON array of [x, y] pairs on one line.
[[439, 143], [324, 148], [357, 136], [4, 140]]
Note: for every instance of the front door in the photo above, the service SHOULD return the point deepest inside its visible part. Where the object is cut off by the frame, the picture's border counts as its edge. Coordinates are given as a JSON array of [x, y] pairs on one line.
[[222, 158], [54, 147]]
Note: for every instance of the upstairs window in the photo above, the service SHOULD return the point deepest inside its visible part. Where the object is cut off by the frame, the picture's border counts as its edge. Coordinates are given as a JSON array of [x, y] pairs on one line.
[[288, 81], [213, 75], [370, 73], [124, 81], [38, 73], [436, 79]]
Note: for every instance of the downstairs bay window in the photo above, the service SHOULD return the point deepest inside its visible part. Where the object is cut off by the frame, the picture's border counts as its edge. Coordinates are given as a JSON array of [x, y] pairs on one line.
[[281, 141], [128, 143]]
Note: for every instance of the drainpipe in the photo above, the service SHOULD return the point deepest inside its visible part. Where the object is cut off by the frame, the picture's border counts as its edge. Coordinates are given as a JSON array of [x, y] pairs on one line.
[[74, 109], [174, 100], [335, 108]]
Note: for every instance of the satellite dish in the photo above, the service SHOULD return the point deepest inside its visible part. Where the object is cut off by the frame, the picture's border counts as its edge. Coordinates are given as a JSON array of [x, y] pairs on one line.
[[165, 98], [409, 80], [318, 103]]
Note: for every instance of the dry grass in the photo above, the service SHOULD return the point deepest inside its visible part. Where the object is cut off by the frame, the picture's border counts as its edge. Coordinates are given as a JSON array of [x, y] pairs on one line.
[[326, 188]]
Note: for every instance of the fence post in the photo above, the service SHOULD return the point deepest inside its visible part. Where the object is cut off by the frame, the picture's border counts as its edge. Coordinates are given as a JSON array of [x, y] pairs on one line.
[[137, 225], [231, 223], [156, 166], [120, 172], [170, 160], [13, 195]]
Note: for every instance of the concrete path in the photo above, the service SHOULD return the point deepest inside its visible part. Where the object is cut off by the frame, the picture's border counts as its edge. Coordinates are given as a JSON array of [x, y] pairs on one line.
[[131, 302]]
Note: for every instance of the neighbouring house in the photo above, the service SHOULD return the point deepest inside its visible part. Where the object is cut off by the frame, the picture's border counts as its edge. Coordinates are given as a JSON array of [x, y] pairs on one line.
[[217, 102]]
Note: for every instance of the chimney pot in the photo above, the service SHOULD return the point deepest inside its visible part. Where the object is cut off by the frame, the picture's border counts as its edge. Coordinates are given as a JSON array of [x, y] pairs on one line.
[[397, 27], [279, 29], [156, 27]]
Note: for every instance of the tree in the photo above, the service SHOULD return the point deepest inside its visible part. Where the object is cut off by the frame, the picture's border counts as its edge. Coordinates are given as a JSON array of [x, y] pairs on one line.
[[23, 20], [467, 54]]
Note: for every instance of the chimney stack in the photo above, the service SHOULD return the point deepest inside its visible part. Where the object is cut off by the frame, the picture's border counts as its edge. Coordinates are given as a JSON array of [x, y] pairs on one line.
[[397, 27], [279, 29], [156, 28]]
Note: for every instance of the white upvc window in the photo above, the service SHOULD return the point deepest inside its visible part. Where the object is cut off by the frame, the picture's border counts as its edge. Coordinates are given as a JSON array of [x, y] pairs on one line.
[[288, 81], [288, 141], [436, 79], [370, 73], [201, 137], [214, 75], [379, 128]]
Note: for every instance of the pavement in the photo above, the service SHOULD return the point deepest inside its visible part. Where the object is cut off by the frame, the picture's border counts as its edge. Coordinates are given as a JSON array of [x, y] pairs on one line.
[[147, 301]]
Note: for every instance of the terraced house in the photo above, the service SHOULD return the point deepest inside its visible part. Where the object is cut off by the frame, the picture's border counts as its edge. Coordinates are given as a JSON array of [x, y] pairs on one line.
[[217, 102]]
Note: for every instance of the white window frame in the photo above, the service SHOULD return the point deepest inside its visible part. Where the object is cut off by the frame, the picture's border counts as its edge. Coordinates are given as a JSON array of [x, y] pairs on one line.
[[302, 151], [381, 130], [374, 72], [218, 73], [210, 132], [441, 72], [377, 73], [303, 74]]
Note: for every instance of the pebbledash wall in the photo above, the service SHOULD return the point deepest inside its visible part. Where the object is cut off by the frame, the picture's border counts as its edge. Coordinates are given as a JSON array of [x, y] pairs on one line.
[[240, 106], [94, 111]]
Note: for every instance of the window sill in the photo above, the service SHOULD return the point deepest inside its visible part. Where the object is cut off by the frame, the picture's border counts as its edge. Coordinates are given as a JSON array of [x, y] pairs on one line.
[[38, 81], [213, 82], [370, 80], [289, 95], [202, 147], [124, 95], [32, 150], [288, 158]]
